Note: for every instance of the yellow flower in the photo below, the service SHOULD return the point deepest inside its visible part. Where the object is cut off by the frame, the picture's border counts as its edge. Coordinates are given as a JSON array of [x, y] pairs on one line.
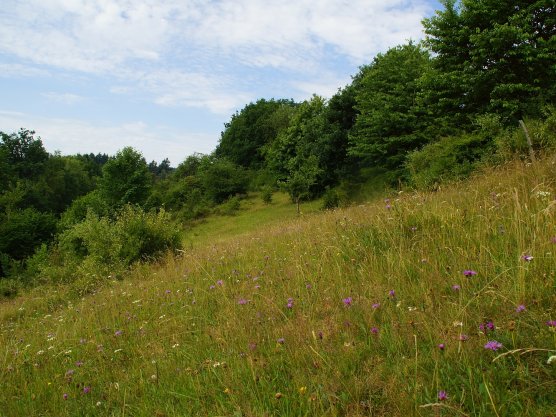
[[302, 390]]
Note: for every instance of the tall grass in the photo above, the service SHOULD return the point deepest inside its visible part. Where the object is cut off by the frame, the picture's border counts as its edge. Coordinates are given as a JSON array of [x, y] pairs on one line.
[[380, 309]]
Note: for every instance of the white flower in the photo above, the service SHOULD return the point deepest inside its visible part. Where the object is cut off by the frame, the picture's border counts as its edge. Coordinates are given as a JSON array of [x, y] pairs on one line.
[[551, 360]]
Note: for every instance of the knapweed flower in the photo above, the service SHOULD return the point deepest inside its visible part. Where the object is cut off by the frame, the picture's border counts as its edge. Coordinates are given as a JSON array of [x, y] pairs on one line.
[[456, 287], [469, 272], [212, 287], [441, 346], [220, 282], [551, 323], [392, 293], [290, 303], [463, 337], [375, 306], [86, 389], [486, 327], [527, 257], [242, 301], [347, 301], [118, 332], [520, 308], [308, 286], [442, 396], [281, 340], [65, 396], [78, 363], [493, 345], [374, 330]]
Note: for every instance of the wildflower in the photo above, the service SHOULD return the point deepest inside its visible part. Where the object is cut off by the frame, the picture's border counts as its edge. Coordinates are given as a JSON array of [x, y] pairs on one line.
[[118, 332], [227, 391], [65, 396], [551, 323], [78, 363], [212, 287], [290, 303], [520, 308], [375, 306], [220, 282], [242, 301], [551, 360], [86, 389], [456, 287], [463, 337], [469, 272], [441, 346], [413, 228], [442, 396], [485, 327], [308, 286], [493, 345], [347, 301], [527, 257], [392, 293], [281, 341], [553, 240], [374, 330], [257, 286], [302, 390], [167, 292]]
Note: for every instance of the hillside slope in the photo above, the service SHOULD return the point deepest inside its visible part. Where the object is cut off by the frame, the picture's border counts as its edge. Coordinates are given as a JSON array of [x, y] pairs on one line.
[[425, 304]]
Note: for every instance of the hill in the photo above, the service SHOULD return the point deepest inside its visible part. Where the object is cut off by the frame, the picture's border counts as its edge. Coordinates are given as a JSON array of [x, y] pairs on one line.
[[419, 303]]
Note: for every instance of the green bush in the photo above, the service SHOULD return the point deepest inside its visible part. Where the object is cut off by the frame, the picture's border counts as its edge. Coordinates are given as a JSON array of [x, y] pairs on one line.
[[99, 247], [266, 194], [448, 159], [330, 199], [230, 207]]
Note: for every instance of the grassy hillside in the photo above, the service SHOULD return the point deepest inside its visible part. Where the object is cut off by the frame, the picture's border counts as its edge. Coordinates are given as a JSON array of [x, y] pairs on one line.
[[424, 304]]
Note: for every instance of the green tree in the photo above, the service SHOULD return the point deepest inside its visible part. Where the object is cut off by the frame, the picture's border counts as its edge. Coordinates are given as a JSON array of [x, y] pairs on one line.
[[249, 132], [494, 56], [390, 123], [125, 179], [221, 179]]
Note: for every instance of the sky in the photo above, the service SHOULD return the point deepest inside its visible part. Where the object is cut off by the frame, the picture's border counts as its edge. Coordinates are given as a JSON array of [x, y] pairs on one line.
[[163, 76]]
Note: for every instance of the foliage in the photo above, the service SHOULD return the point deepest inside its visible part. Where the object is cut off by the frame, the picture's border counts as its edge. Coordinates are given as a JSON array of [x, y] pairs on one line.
[[221, 179], [390, 124], [247, 134], [266, 194], [125, 179]]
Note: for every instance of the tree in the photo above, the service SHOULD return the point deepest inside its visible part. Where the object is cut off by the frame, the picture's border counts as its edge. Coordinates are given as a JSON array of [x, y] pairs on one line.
[[125, 179], [390, 123], [494, 56], [221, 179], [302, 177], [246, 136], [24, 153]]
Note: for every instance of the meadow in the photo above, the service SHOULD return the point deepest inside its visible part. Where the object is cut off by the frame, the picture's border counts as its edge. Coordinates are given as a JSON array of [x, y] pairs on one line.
[[415, 304]]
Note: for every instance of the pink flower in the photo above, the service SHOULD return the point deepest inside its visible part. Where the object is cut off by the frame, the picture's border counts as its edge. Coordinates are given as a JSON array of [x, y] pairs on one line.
[[527, 257], [469, 272], [442, 396], [441, 346], [520, 308], [347, 301], [493, 345]]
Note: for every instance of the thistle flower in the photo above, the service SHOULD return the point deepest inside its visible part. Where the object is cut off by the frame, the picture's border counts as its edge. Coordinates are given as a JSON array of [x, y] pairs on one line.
[[65, 396], [442, 395], [551, 323], [456, 287], [347, 301], [242, 301], [469, 272], [86, 389], [375, 306], [520, 308], [441, 346], [493, 345], [392, 293], [290, 303], [374, 330]]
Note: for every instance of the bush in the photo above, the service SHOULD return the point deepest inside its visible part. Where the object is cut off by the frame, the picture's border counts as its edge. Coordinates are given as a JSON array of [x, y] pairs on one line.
[[448, 159], [230, 207], [101, 246], [330, 199], [266, 194]]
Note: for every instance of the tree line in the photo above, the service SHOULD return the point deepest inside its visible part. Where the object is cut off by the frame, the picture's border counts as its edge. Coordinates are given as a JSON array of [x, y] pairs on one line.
[[418, 114]]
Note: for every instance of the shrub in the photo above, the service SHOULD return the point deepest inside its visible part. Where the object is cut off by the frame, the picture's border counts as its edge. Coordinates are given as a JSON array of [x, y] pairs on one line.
[[330, 199], [448, 159], [230, 207], [266, 194]]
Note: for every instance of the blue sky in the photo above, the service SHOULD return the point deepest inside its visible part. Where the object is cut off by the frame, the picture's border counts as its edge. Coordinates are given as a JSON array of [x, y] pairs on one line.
[[164, 76]]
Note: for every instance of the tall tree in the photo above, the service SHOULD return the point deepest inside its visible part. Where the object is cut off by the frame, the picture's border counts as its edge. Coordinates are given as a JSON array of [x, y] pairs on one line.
[[492, 56], [125, 179], [390, 123], [246, 136]]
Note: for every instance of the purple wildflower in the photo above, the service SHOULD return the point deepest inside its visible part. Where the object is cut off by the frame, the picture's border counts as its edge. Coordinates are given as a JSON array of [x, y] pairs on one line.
[[392, 293], [485, 327], [257, 286], [493, 345], [220, 282], [456, 287], [374, 330], [281, 340], [86, 389], [65, 396], [290, 303], [388, 206], [551, 323], [553, 240], [463, 337], [168, 291], [242, 301], [441, 346], [78, 363], [308, 286], [527, 258], [520, 308], [212, 287], [375, 306], [442, 396], [469, 272], [320, 335], [118, 332], [347, 301]]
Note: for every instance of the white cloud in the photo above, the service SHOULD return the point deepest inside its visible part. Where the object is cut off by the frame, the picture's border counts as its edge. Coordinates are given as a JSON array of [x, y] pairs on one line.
[[65, 98], [76, 136], [196, 51]]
